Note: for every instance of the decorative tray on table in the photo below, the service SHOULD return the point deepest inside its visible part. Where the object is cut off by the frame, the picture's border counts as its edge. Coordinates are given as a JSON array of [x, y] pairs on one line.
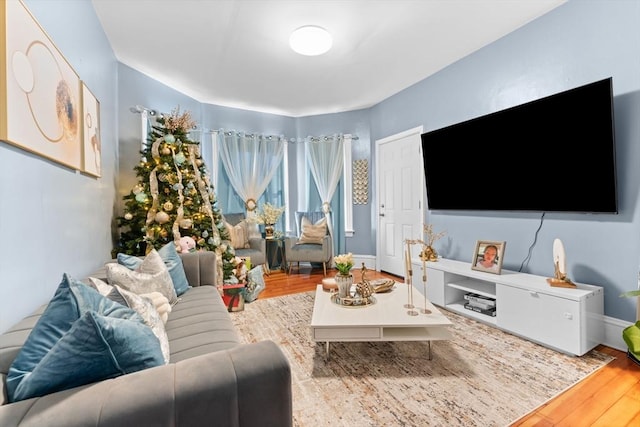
[[353, 301]]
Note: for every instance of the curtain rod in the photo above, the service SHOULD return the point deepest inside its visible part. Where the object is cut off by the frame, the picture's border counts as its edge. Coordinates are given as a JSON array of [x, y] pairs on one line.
[[140, 108]]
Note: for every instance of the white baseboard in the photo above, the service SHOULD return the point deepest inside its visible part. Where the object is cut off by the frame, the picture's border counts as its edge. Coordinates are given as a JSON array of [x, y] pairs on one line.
[[613, 333], [369, 262]]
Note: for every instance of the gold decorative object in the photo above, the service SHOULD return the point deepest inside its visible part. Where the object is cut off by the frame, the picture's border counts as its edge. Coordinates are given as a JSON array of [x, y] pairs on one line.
[[382, 285], [560, 279], [177, 120], [428, 253], [269, 230], [250, 204], [360, 182], [409, 280], [364, 289]]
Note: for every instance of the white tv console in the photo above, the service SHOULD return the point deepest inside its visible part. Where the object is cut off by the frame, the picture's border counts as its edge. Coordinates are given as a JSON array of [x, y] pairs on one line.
[[567, 320]]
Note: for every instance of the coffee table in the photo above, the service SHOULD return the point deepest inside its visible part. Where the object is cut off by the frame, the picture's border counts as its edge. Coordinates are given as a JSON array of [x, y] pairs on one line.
[[385, 320]]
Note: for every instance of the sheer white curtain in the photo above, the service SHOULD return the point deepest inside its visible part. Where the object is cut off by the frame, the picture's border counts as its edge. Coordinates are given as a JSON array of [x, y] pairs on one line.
[[250, 161], [325, 156]]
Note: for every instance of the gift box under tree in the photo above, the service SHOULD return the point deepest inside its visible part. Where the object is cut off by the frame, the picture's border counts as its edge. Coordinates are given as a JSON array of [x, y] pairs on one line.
[[233, 297]]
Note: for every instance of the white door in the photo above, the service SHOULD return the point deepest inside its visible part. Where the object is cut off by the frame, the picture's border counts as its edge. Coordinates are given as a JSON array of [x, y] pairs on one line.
[[400, 188]]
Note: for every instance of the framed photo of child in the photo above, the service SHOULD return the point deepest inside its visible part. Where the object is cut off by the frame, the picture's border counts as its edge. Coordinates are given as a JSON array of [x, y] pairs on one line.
[[488, 256]]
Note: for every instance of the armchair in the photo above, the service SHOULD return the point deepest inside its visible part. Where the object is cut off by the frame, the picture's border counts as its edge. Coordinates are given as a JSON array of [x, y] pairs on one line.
[[253, 247], [312, 244]]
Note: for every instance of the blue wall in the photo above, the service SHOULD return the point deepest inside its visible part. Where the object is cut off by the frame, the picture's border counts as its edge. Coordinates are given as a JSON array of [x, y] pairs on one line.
[[52, 219], [577, 43], [55, 220]]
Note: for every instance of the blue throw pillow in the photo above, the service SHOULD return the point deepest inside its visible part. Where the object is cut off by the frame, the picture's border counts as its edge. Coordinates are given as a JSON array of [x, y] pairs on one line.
[[94, 349], [171, 259], [71, 300]]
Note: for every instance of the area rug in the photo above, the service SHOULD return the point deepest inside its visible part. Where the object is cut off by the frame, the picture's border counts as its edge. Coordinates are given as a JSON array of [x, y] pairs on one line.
[[483, 377]]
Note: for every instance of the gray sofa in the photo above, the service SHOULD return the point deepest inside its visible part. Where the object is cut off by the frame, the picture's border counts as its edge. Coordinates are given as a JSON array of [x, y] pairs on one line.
[[211, 379]]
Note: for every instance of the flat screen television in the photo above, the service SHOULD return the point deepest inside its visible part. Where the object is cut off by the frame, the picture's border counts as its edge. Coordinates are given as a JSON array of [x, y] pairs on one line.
[[553, 154]]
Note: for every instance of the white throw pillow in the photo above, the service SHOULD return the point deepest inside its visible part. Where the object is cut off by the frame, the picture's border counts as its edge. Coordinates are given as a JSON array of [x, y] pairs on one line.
[[313, 233], [152, 275], [239, 235]]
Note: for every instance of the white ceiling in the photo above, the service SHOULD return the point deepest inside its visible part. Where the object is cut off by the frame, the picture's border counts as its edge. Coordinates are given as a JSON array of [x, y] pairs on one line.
[[235, 53]]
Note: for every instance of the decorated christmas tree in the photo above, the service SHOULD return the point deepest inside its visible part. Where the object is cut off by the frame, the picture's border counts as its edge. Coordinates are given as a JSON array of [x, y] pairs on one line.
[[173, 200]]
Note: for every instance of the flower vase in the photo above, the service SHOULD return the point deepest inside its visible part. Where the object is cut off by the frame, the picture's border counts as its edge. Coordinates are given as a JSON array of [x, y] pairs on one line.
[[344, 283], [268, 231]]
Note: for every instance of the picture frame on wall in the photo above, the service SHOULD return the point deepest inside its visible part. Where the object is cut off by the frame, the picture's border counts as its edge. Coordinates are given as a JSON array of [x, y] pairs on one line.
[[488, 256], [91, 141], [40, 108]]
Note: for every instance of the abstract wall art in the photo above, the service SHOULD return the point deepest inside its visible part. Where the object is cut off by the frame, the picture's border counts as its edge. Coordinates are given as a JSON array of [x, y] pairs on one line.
[[40, 107]]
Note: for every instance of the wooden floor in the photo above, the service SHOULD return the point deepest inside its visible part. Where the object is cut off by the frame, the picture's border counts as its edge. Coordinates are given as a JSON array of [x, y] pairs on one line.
[[609, 397]]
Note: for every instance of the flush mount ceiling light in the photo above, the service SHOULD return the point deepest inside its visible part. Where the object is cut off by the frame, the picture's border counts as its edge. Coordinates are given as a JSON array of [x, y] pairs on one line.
[[310, 40]]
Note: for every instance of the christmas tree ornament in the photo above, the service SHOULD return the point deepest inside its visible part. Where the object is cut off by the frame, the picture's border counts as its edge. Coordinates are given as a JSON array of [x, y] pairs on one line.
[[179, 158], [128, 216], [162, 217], [137, 189], [170, 138], [142, 197], [168, 206], [199, 162], [205, 234], [186, 223], [166, 151]]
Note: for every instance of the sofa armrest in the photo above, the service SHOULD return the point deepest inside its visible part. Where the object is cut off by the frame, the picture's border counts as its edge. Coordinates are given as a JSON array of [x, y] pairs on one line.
[[200, 267], [326, 246], [248, 385]]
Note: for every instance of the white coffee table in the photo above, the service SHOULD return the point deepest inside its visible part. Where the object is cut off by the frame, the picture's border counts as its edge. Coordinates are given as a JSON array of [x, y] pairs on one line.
[[386, 320]]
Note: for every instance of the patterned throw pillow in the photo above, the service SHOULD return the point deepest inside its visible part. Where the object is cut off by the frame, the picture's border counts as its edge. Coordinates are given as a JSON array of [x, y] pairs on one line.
[[171, 259], [313, 233], [152, 275], [142, 305], [239, 235]]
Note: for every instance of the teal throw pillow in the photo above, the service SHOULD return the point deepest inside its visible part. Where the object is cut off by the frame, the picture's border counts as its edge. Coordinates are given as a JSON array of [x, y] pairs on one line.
[[172, 260], [71, 301], [94, 349]]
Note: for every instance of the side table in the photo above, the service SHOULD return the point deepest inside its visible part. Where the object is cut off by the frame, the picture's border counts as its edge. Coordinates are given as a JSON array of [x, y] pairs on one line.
[[276, 256]]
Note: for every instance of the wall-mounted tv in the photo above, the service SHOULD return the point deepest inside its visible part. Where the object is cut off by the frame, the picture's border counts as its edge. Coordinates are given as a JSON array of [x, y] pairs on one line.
[[554, 154]]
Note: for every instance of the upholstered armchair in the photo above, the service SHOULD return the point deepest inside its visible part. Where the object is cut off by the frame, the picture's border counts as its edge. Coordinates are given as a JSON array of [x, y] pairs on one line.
[[312, 244], [244, 244]]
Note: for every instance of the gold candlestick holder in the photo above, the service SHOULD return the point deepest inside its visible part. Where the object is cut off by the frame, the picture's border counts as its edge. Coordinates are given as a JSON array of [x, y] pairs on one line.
[[409, 305], [424, 257], [428, 253]]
